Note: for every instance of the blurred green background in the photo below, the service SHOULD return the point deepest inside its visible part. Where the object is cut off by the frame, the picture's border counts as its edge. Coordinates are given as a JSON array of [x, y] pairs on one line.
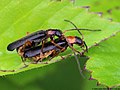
[[63, 75]]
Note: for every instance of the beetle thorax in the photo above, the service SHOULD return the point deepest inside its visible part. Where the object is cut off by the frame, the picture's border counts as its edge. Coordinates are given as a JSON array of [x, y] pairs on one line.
[[71, 39]]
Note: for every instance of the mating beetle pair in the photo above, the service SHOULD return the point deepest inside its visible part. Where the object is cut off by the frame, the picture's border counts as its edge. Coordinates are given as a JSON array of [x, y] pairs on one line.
[[32, 41], [36, 46]]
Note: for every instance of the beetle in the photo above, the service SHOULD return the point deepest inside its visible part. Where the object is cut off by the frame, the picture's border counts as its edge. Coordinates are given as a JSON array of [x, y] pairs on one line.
[[36, 53], [34, 38]]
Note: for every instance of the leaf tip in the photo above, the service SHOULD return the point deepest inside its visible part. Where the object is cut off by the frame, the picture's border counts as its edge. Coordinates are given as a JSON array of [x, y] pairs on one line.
[[110, 19], [85, 7], [98, 13], [91, 78], [98, 84]]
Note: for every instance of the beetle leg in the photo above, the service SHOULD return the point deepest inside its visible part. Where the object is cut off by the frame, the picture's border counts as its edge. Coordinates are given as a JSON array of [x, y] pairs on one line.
[[42, 47], [43, 42], [35, 62], [81, 54], [62, 57], [27, 43], [7, 70], [23, 60], [27, 33], [54, 54], [56, 44], [52, 41], [40, 57], [42, 63]]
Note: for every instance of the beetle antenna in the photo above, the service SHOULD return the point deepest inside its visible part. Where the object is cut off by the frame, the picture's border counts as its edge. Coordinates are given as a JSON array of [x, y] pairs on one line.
[[85, 46], [85, 29], [78, 29], [77, 60], [78, 64], [75, 27]]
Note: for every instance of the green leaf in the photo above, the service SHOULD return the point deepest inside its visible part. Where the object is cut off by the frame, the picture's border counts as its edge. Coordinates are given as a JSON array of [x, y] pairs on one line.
[[109, 8], [104, 62], [114, 15], [19, 17]]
